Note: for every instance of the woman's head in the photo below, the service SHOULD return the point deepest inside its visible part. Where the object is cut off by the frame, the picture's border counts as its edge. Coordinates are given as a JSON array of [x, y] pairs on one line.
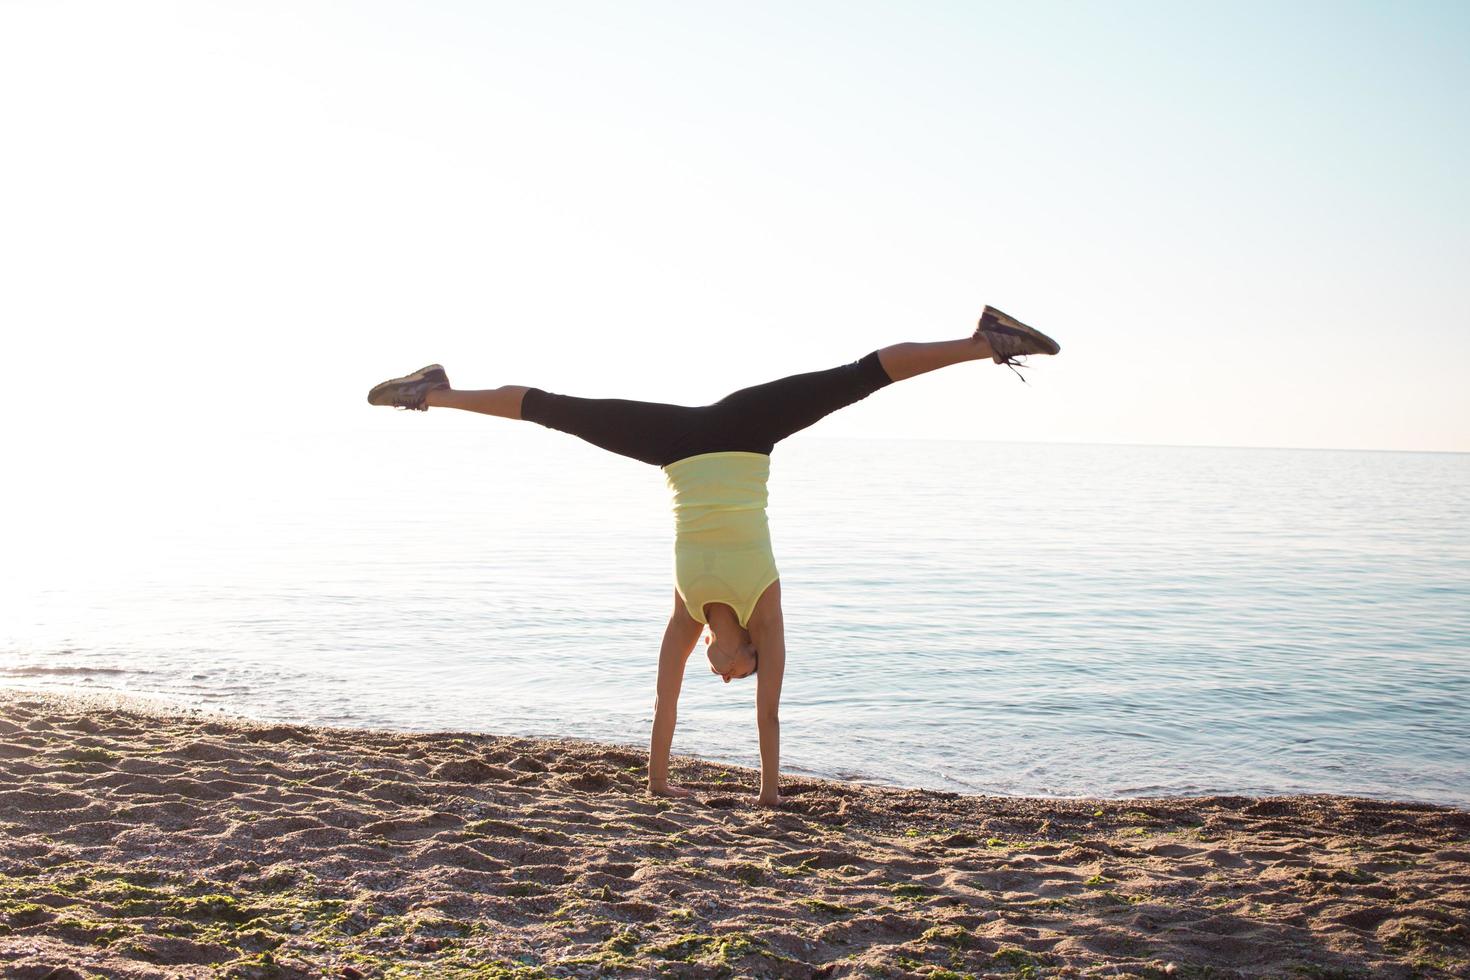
[[727, 644], [732, 659]]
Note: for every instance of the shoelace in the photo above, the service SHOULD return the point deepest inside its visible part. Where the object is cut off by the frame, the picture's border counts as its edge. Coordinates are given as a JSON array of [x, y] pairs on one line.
[[1009, 360], [1004, 336]]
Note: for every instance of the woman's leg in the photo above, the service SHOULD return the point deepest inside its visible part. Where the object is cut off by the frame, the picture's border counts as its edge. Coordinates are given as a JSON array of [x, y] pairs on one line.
[[903, 361], [755, 419], [504, 402], [645, 431]]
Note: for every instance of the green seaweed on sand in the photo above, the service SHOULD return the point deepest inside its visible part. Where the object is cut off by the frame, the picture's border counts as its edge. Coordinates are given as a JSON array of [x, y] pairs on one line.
[[72, 884], [910, 891], [98, 932], [953, 936], [1427, 946], [90, 756], [751, 874], [1317, 972], [1056, 904], [806, 867], [624, 942], [829, 908], [260, 966], [570, 907], [917, 833], [734, 946], [23, 913], [1018, 961], [498, 970], [427, 924], [218, 906], [604, 961], [132, 899], [1113, 897], [722, 949], [688, 947], [524, 889]]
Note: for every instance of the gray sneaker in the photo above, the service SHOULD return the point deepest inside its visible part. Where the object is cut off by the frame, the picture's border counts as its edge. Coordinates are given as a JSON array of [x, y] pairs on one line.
[[410, 390], [1009, 338]]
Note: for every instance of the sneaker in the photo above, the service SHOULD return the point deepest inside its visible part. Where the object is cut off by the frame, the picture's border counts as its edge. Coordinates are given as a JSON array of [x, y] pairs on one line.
[[1009, 338], [410, 390]]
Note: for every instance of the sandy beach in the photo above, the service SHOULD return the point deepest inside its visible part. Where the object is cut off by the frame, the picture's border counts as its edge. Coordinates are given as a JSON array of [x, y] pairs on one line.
[[141, 841]]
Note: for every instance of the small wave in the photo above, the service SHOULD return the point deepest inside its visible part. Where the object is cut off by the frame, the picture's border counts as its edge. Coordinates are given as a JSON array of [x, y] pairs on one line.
[[66, 671]]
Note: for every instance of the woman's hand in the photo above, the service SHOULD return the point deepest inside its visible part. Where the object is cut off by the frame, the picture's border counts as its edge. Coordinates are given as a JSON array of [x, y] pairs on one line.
[[678, 792]]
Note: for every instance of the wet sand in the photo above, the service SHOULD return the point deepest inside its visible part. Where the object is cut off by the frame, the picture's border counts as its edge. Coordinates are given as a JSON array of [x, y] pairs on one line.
[[140, 841]]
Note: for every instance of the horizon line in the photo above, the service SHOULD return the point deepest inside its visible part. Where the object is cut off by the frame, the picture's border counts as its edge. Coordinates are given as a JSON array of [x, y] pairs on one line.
[[1059, 442]]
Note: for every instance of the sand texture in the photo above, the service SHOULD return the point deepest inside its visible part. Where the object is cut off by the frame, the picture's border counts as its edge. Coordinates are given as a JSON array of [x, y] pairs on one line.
[[173, 844]]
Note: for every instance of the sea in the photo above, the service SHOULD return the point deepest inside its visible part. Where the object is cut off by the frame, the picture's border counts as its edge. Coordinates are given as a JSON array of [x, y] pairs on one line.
[[976, 617]]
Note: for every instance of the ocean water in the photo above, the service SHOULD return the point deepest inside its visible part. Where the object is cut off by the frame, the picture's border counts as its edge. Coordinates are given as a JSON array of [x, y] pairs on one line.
[[978, 617]]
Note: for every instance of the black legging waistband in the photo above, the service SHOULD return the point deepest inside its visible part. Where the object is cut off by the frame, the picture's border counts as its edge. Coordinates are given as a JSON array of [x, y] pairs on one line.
[[750, 420]]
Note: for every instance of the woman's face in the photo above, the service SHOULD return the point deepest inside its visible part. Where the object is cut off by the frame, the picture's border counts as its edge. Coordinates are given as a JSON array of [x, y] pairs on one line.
[[733, 659]]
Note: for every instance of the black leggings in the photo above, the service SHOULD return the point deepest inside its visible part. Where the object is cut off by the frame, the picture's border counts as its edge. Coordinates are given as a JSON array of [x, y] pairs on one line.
[[751, 420]]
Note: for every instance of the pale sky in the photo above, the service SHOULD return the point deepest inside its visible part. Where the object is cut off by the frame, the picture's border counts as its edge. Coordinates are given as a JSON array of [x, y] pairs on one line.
[[1248, 224]]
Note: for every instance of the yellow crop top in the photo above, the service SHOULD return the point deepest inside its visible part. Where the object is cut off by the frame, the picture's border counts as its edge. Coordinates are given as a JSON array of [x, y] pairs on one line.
[[722, 543]]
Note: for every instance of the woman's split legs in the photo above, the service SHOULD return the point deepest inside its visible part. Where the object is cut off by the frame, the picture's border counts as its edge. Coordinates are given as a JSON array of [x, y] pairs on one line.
[[504, 402], [900, 361]]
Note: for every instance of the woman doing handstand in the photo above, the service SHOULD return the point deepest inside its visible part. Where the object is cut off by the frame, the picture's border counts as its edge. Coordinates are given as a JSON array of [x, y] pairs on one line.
[[716, 459]]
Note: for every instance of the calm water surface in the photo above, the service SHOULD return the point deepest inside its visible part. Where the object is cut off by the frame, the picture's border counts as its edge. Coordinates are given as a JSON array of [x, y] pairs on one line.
[[997, 618]]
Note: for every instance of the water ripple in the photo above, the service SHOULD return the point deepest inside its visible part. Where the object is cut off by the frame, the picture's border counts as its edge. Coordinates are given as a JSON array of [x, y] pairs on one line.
[[1066, 620]]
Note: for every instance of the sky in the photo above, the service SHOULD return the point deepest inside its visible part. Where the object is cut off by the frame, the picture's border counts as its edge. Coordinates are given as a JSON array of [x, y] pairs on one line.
[[1247, 224]]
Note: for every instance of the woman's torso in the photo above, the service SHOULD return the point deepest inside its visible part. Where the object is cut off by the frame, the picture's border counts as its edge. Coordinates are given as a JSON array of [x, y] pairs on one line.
[[722, 541]]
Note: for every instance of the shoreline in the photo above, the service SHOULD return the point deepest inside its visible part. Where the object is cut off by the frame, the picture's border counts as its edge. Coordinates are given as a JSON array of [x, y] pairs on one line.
[[176, 842], [169, 706]]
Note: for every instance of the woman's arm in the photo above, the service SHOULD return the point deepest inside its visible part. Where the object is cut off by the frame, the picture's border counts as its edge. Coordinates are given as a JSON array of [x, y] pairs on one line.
[[768, 633], [680, 637]]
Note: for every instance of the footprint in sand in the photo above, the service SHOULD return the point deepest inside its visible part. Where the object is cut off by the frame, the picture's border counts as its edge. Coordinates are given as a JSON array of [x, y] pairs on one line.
[[277, 733], [1223, 859], [1368, 918], [203, 750], [528, 763], [417, 827], [26, 802], [472, 771], [589, 781]]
